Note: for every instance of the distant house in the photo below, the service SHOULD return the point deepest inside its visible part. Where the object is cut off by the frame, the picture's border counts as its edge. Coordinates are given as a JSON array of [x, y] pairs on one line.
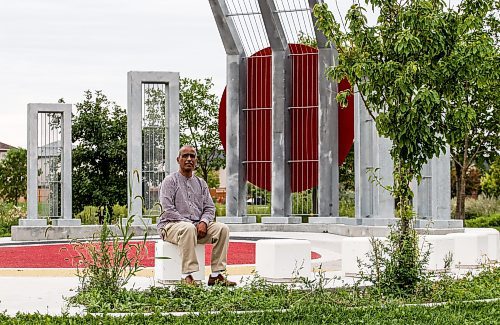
[[3, 149]]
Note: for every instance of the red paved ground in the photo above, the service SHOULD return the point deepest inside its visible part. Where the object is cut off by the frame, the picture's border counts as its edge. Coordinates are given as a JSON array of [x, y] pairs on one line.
[[62, 255]]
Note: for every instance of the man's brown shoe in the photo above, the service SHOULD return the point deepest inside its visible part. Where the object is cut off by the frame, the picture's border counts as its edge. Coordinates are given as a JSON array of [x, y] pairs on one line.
[[220, 280], [189, 281]]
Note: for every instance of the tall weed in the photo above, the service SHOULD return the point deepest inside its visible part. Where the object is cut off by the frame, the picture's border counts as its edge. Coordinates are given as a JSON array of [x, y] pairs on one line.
[[106, 265]]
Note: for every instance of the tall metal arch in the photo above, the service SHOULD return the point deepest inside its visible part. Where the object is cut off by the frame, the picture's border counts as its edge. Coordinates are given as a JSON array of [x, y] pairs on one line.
[[281, 197]]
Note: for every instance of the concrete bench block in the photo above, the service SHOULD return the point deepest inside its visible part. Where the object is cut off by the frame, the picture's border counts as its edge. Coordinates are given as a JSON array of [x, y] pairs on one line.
[[170, 270], [354, 248], [493, 251], [469, 248], [277, 259], [440, 248]]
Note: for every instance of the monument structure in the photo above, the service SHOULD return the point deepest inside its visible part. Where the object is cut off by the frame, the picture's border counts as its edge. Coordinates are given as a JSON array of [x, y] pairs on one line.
[[49, 166], [152, 138], [276, 63]]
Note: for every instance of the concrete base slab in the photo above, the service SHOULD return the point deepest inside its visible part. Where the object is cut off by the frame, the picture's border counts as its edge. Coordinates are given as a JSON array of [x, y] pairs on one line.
[[138, 221], [335, 220], [358, 231], [282, 220], [378, 221], [40, 233], [239, 220], [440, 224], [32, 222], [66, 222], [34, 233]]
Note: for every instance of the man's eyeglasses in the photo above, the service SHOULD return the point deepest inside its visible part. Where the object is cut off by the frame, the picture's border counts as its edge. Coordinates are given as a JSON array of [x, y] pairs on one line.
[[190, 155]]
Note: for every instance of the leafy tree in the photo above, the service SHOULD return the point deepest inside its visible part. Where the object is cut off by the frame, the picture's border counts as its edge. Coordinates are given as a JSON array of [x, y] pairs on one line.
[[399, 68], [199, 110], [100, 153], [13, 175], [471, 79]]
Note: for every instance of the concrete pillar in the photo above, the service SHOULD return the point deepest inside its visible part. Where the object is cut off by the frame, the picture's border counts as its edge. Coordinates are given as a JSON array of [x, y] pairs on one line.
[[235, 117], [373, 204], [135, 79], [432, 196], [328, 173]]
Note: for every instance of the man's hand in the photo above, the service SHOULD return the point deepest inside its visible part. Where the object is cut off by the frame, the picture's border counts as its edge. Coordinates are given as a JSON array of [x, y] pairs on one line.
[[201, 229]]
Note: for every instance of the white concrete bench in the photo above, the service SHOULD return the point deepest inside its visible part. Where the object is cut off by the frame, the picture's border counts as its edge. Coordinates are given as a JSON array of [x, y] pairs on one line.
[[168, 263], [493, 251], [440, 247], [283, 259], [470, 249], [354, 248]]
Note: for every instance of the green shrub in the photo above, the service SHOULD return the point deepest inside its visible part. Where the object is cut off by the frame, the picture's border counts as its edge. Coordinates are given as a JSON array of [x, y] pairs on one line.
[[120, 212], [492, 221], [257, 294], [490, 182], [346, 204], [9, 216], [90, 214], [482, 206]]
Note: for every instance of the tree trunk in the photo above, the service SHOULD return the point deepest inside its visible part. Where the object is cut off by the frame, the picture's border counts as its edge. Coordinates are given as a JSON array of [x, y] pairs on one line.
[[461, 172]]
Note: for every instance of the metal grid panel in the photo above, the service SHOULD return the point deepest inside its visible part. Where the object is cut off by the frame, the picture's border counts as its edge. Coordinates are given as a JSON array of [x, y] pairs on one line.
[[295, 17], [259, 133], [154, 131], [247, 19], [49, 159]]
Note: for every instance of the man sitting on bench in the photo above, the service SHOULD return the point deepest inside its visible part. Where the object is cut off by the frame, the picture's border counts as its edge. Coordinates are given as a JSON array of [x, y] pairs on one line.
[[187, 219]]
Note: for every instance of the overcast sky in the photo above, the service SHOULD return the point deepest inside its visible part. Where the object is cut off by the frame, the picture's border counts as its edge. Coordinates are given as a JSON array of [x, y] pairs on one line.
[[59, 48]]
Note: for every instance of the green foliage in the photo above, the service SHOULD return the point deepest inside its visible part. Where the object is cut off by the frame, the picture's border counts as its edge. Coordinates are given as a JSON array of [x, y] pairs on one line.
[[310, 312], [9, 216], [346, 204], [490, 221], [470, 82], [90, 214], [402, 67], [258, 295], [213, 179], [13, 175], [490, 183], [346, 173], [105, 265], [199, 125], [396, 267], [100, 154], [482, 206]]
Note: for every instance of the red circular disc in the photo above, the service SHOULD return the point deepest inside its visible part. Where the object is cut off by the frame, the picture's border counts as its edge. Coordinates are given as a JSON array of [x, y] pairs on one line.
[[303, 119]]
